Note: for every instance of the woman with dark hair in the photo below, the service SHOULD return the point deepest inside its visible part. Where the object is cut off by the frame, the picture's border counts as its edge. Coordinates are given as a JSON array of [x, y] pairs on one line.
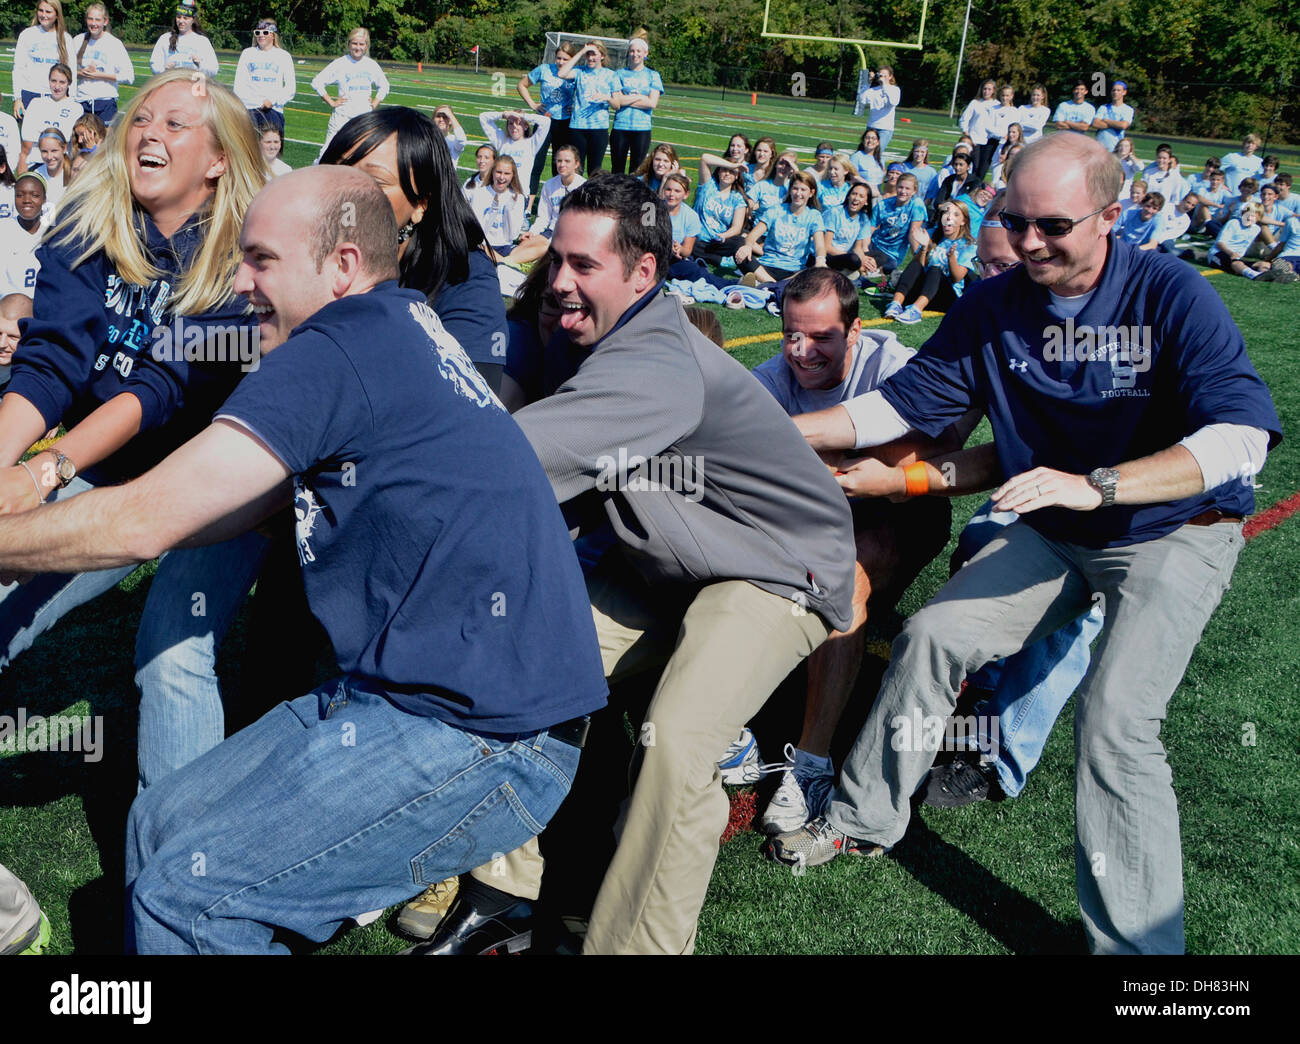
[[443, 258], [186, 46]]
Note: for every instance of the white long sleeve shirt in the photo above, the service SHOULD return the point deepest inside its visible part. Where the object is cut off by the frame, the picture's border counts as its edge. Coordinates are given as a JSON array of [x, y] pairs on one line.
[[108, 55], [355, 80], [263, 74]]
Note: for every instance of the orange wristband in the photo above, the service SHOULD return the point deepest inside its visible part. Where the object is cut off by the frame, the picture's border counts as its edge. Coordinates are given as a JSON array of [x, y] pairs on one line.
[[917, 479]]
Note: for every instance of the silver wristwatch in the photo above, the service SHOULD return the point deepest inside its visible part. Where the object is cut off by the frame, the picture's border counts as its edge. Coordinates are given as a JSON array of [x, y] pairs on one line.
[[1104, 481]]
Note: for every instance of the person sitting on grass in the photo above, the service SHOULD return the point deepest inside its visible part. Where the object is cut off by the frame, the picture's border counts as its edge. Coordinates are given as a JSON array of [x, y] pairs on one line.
[[961, 181], [484, 157], [1232, 208], [794, 231], [500, 206], [1136, 194], [848, 232], [1173, 224], [686, 229], [1212, 198], [867, 161], [537, 240], [272, 145], [1138, 225], [722, 206], [453, 133], [900, 222], [937, 275], [834, 186], [976, 204], [657, 166], [1236, 237], [518, 141]]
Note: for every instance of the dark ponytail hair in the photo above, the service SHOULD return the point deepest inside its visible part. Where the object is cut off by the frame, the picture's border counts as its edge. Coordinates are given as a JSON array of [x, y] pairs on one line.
[[438, 252]]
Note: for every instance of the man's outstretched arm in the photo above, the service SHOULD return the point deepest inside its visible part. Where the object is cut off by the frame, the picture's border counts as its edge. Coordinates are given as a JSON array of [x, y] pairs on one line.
[[221, 482]]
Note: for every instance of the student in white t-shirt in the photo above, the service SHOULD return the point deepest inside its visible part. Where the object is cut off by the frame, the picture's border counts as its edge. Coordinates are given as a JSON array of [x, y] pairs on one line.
[[500, 206], [186, 46], [57, 110], [537, 240], [21, 234], [101, 64], [1034, 116], [452, 132], [975, 121], [272, 146], [43, 44], [1243, 164], [514, 141], [356, 74], [264, 78], [55, 167]]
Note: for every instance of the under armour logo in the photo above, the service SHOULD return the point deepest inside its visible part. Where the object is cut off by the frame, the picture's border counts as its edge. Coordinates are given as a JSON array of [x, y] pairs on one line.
[[1020, 364]]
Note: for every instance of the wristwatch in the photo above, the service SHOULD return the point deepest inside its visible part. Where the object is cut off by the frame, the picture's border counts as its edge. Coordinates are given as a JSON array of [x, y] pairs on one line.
[[64, 470], [1104, 481]]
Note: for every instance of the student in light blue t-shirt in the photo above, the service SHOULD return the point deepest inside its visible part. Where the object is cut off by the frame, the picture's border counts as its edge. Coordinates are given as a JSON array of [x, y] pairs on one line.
[[900, 221], [556, 102], [1236, 238], [868, 161], [1139, 224], [1114, 118], [1243, 164], [848, 230], [832, 189], [794, 231], [937, 275], [593, 93], [1078, 113], [639, 90], [722, 208], [687, 229]]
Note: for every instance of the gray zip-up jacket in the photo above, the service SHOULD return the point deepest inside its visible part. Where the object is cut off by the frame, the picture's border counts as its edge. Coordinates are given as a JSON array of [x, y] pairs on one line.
[[703, 475]]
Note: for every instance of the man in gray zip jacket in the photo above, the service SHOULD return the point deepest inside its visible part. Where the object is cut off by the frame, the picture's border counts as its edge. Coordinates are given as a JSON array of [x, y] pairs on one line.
[[732, 550]]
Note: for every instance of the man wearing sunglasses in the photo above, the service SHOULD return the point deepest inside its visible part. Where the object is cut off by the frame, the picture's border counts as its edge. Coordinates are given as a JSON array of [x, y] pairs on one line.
[[1131, 465]]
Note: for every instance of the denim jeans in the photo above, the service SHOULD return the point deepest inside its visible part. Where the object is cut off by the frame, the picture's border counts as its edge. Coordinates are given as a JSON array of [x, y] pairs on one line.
[[30, 609], [193, 600], [1031, 688], [328, 806]]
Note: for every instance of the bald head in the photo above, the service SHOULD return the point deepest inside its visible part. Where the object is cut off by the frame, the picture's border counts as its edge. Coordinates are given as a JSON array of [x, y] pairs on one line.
[[1055, 158], [333, 205]]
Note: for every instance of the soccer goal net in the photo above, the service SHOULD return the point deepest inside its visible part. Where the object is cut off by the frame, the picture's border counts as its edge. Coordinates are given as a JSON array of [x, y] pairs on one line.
[[616, 46]]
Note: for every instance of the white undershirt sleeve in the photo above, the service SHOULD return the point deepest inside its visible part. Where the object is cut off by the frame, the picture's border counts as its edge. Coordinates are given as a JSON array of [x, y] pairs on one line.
[[1227, 452], [875, 422]]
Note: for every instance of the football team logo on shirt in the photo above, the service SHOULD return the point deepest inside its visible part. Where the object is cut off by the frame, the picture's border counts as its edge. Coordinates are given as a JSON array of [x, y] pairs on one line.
[[454, 365]]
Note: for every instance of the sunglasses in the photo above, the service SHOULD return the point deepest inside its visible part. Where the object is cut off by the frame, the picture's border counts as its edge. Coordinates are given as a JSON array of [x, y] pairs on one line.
[[263, 32], [1051, 227], [989, 269]]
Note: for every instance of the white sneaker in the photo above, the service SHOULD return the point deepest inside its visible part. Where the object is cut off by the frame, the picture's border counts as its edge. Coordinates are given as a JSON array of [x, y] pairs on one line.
[[740, 763], [796, 801]]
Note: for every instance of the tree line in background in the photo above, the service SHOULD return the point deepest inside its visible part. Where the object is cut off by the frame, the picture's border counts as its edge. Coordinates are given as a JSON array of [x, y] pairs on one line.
[[1199, 68]]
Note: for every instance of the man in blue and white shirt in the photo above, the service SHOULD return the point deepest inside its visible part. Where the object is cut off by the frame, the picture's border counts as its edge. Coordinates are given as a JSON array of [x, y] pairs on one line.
[[1114, 118]]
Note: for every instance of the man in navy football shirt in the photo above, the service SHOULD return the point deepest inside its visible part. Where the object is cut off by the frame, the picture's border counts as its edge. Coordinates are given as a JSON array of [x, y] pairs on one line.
[[450, 737], [1129, 424]]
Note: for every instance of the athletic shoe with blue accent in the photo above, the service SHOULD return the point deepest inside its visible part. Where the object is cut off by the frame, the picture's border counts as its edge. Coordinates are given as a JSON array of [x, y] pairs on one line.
[[740, 763], [894, 310], [910, 314]]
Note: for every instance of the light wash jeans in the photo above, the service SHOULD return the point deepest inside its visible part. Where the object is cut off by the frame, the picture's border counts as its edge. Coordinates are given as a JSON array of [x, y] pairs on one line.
[[326, 807], [180, 701], [193, 600], [1031, 688], [1018, 589]]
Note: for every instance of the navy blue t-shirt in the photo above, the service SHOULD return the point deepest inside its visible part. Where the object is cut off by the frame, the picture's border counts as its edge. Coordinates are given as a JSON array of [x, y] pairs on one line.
[[1076, 395], [402, 461], [473, 313]]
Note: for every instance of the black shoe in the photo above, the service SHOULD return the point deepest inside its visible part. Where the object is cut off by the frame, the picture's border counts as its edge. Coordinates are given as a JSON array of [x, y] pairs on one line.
[[963, 781], [481, 924]]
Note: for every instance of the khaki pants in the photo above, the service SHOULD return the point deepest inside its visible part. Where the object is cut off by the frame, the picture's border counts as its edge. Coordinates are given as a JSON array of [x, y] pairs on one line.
[[734, 646]]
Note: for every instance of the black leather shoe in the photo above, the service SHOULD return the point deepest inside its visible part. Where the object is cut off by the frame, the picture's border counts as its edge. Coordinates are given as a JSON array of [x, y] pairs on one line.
[[468, 930]]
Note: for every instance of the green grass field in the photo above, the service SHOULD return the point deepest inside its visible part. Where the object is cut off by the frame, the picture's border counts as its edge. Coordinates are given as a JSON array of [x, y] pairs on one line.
[[992, 878]]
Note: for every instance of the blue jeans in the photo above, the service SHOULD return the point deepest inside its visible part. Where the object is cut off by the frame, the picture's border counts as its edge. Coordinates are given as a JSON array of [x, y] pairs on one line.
[[886, 136], [326, 807], [29, 610], [193, 600], [1031, 688]]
